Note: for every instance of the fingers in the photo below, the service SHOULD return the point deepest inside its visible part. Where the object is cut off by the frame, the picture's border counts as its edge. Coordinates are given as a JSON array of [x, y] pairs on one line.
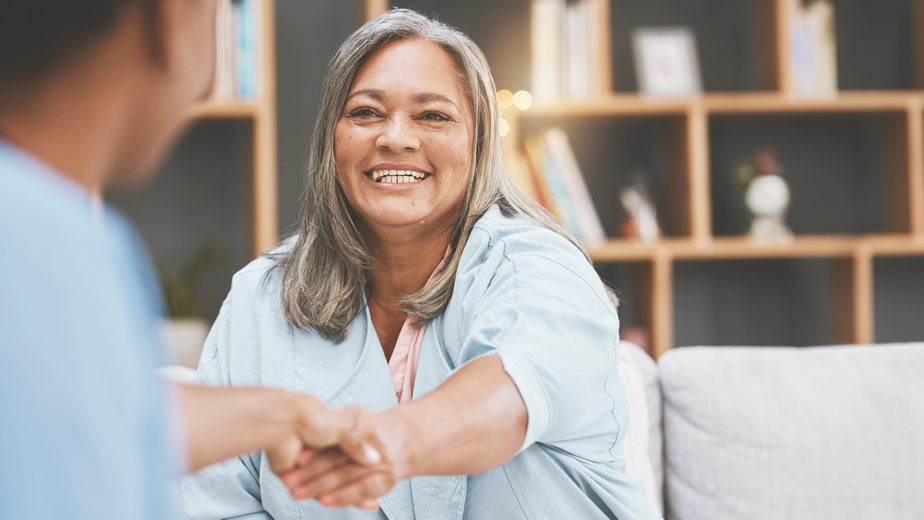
[[321, 463], [359, 491], [325, 482]]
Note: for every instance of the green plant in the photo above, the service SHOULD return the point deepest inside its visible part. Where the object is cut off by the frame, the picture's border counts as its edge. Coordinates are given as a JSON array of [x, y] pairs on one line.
[[180, 291]]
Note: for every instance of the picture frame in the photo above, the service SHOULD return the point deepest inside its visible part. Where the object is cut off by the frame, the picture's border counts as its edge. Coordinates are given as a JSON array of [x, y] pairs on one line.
[[666, 63]]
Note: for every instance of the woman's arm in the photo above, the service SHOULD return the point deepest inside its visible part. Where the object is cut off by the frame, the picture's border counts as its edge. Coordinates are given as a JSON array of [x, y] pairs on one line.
[[224, 422], [472, 423]]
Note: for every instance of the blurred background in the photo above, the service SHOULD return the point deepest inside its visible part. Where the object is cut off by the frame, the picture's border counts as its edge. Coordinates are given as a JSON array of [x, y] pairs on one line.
[[851, 271]]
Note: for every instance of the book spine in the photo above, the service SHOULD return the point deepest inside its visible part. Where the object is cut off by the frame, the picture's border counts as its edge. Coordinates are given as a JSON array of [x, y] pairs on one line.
[[535, 157], [546, 39], [582, 206], [244, 22]]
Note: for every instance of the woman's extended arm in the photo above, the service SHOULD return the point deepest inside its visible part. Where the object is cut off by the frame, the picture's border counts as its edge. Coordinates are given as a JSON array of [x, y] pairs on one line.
[[472, 423], [225, 422]]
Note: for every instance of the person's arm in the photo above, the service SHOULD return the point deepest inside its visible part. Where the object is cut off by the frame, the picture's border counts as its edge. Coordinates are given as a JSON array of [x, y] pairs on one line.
[[224, 422], [472, 423], [542, 339]]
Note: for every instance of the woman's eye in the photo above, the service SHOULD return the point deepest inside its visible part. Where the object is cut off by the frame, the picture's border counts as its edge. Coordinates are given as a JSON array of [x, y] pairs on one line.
[[435, 116], [362, 113]]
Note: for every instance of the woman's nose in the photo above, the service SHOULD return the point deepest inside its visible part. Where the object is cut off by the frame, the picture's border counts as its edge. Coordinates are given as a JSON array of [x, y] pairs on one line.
[[398, 135]]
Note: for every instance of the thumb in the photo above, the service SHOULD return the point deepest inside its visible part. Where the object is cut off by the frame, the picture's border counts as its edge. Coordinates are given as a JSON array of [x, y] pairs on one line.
[[284, 456]]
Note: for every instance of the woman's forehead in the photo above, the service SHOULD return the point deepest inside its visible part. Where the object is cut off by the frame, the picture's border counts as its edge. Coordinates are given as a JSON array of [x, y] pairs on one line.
[[417, 69]]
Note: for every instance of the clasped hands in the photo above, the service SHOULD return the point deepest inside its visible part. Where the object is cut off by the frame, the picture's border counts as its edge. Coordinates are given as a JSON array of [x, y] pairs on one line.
[[345, 457]]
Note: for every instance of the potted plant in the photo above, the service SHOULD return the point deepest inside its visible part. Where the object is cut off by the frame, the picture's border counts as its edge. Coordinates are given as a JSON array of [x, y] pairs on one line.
[[185, 331]]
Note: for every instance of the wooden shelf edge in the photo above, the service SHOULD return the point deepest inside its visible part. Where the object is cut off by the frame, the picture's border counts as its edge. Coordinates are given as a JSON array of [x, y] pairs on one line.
[[224, 110], [741, 248], [728, 103]]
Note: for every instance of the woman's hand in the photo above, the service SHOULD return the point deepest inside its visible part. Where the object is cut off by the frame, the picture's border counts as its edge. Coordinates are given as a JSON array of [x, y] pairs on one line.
[[317, 427], [336, 479]]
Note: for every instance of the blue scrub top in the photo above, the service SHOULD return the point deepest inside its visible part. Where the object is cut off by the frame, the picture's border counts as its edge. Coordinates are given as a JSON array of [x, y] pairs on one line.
[[523, 293], [82, 417]]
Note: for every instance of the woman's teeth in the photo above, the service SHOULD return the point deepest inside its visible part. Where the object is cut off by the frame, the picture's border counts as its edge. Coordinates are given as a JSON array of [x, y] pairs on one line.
[[397, 176]]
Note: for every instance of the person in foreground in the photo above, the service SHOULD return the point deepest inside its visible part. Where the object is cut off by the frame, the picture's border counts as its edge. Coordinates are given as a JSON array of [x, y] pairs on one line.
[[463, 330], [91, 95]]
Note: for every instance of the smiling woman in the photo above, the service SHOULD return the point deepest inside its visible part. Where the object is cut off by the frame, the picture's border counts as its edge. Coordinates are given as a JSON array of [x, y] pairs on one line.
[[460, 328]]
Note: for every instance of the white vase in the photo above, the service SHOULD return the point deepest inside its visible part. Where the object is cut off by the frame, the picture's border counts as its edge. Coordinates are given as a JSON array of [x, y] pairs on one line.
[[183, 339]]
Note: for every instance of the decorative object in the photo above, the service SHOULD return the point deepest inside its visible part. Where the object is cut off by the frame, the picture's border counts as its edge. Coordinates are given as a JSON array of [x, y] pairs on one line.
[[641, 219], [184, 333], [666, 63], [766, 195]]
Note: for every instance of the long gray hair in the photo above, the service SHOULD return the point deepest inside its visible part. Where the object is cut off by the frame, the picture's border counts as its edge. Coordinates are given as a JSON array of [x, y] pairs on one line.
[[323, 276]]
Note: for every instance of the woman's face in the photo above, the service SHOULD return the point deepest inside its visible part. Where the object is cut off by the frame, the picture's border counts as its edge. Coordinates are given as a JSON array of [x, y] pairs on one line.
[[403, 144]]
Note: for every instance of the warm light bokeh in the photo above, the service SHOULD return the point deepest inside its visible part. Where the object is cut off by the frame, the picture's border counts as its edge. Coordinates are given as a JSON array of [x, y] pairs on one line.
[[505, 98], [522, 99]]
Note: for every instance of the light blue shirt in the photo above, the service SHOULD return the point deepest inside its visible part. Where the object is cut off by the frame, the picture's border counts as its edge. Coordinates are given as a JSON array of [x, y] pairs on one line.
[[83, 434], [521, 292]]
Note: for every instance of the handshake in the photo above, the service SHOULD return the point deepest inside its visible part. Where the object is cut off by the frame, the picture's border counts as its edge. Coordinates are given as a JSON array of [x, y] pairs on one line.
[[345, 457], [339, 457]]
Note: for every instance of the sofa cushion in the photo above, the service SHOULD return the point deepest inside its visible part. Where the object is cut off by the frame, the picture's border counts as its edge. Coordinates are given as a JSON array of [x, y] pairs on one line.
[[642, 448], [795, 433]]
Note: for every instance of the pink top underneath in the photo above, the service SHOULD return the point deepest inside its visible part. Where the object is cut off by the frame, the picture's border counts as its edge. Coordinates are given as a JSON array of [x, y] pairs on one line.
[[403, 362]]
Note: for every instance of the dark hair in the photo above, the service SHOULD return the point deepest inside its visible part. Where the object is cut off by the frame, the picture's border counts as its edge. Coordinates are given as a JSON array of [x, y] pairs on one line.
[[38, 36]]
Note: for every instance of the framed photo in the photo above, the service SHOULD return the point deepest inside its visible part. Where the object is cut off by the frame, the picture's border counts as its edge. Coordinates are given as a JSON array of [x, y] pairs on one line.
[[665, 61]]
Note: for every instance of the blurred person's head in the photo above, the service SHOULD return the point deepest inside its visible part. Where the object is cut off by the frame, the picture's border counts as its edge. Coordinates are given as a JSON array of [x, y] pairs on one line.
[[120, 73], [401, 64]]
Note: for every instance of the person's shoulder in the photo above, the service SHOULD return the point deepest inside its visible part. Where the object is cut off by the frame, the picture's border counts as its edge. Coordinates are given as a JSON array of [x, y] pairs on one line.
[[538, 261], [261, 275], [520, 237]]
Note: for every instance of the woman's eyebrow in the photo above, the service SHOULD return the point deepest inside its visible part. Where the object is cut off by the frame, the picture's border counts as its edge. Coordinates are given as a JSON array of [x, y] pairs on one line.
[[420, 99], [375, 94]]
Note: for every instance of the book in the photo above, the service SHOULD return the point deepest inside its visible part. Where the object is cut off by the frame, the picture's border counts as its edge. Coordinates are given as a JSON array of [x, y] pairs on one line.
[[237, 62], [566, 48], [587, 220], [535, 160], [545, 36], [813, 49], [559, 185]]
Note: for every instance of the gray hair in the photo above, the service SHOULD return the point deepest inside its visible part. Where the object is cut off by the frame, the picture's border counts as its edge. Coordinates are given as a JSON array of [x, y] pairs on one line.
[[323, 276]]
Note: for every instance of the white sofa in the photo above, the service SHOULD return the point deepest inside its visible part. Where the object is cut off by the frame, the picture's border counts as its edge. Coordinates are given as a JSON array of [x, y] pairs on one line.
[[779, 433]]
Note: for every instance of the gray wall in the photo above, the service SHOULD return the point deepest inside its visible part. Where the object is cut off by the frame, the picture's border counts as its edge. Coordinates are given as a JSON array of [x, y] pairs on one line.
[[835, 159]]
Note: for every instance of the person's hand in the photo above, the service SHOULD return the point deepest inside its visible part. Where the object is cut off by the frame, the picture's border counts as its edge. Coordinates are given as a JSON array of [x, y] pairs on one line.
[[336, 478], [317, 427]]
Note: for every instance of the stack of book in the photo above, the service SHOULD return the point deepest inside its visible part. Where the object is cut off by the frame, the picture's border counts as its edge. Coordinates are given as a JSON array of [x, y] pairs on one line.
[[552, 177], [566, 43], [813, 49], [236, 66]]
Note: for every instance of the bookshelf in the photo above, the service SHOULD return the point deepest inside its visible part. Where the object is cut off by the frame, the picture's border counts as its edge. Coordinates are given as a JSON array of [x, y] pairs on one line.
[[851, 257], [260, 112]]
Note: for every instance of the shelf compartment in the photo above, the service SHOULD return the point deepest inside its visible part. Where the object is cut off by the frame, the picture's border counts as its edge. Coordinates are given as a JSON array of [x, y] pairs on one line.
[[724, 31], [779, 302], [838, 167], [897, 298], [611, 150]]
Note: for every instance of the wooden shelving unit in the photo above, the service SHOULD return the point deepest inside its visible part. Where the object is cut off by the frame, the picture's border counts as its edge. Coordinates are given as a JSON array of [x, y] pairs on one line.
[[902, 114], [261, 113], [851, 257]]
